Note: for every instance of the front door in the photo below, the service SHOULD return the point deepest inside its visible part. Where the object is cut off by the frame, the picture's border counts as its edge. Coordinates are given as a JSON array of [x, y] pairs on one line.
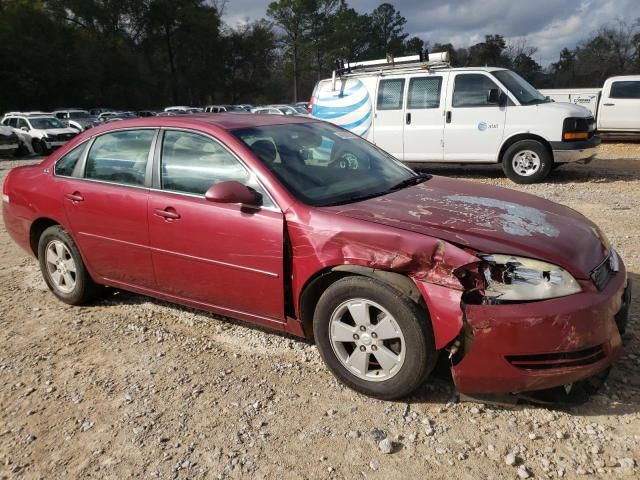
[[222, 255], [107, 205], [620, 110], [474, 122], [424, 119], [388, 123]]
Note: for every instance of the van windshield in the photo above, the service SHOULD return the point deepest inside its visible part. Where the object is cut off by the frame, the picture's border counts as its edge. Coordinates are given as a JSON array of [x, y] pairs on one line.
[[523, 90], [324, 165]]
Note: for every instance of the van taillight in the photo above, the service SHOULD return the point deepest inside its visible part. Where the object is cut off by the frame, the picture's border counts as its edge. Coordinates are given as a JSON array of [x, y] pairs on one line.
[[310, 106]]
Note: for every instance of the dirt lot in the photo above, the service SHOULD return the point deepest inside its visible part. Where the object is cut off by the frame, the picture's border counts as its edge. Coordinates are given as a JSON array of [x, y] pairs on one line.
[[134, 387]]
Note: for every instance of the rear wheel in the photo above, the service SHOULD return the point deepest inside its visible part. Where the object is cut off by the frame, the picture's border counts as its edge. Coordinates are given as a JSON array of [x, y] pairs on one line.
[[63, 269], [527, 161], [374, 339]]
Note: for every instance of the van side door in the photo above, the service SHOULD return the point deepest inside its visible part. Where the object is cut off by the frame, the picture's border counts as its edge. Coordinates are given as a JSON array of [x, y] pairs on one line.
[[424, 117], [389, 117], [619, 105], [474, 122]]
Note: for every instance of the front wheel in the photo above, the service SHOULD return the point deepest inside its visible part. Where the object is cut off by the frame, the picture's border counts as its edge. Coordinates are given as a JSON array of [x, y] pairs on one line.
[[39, 147], [374, 339], [527, 161], [63, 269]]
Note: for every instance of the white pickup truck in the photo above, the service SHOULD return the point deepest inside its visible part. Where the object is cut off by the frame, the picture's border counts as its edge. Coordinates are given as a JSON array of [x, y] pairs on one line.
[[615, 106], [425, 111]]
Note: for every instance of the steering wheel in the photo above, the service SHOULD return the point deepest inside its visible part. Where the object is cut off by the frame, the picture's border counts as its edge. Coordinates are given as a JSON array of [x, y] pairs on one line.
[[345, 160]]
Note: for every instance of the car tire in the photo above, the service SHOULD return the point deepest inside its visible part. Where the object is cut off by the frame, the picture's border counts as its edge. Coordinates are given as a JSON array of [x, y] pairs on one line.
[[39, 147], [404, 337], [62, 267], [527, 161], [21, 151]]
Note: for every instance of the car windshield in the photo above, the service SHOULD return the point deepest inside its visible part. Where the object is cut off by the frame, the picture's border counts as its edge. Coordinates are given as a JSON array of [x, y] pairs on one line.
[[324, 165], [523, 90], [44, 123], [78, 114]]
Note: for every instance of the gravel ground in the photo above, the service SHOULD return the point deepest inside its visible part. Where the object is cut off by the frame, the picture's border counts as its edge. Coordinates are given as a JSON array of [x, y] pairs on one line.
[[135, 387]]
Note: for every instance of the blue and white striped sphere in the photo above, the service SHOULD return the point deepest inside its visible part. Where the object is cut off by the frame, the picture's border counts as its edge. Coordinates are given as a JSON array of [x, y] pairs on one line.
[[349, 106]]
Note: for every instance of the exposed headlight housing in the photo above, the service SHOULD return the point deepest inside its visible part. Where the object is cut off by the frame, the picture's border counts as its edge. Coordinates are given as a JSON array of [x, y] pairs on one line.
[[510, 278]]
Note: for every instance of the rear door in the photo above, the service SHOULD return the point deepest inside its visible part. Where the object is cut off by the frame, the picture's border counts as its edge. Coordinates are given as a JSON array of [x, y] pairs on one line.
[[474, 125], [620, 106], [389, 116], [222, 255], [105, 198], [424, 118]]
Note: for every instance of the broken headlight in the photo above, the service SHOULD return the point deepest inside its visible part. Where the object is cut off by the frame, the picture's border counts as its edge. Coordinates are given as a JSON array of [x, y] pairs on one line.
[[510, 278]]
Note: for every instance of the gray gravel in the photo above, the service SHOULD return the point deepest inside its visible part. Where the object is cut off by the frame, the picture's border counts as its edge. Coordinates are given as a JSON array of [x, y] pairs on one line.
[[131, 386]]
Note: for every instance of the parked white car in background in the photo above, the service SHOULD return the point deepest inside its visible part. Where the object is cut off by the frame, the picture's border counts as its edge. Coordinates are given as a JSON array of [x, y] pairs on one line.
[[428, 112], [76, 118], [9, 141], [616, 106], [46, 132]]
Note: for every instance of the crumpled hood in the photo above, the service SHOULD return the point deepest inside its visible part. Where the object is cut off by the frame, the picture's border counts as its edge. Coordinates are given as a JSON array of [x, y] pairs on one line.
[[59, 131], [488, 219]]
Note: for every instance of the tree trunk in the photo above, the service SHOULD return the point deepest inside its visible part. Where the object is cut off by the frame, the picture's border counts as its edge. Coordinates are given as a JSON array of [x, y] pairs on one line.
[[172, 66]]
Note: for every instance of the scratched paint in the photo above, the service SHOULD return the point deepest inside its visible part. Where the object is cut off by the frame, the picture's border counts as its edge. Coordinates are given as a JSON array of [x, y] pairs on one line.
[[516, 220]]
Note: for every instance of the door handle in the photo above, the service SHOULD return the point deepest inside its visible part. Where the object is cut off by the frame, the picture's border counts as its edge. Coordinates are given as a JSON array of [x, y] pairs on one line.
[[608, 104], [408, 118], [168, 213], [74, 197], [448, 116]]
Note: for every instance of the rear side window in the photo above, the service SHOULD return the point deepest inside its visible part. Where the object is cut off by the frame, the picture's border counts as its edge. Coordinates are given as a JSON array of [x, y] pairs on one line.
[[64, 167], [120, 157], [390, 94], [472, 90], [424, 92], [626, 89]]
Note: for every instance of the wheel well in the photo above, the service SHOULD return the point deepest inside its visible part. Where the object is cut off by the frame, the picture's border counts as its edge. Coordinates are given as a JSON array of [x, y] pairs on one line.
[[316, 286], [37, 227], [523, 136]]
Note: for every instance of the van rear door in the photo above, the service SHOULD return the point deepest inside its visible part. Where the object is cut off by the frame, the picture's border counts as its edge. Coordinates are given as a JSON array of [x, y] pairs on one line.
[[474, 123], [424, 117]]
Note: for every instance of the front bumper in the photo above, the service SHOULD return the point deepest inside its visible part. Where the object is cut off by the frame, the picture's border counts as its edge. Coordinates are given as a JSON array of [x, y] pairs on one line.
[[539, 345], [585, 150], [8, 147]]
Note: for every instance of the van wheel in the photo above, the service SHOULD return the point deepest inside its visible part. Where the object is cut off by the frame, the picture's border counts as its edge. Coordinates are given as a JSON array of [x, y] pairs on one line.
[[63, 269], [374, 339], [527, 161]]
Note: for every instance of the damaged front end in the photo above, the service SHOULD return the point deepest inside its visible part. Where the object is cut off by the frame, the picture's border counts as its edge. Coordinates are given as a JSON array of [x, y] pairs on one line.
[[530, 326]]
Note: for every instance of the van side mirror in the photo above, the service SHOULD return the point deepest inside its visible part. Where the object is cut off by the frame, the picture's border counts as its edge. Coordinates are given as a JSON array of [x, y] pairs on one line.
[[233, 192], [503, 99], [493, 96]]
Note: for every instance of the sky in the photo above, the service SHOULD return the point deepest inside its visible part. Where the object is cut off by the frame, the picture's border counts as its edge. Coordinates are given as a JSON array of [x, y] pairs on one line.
[[549, 25]]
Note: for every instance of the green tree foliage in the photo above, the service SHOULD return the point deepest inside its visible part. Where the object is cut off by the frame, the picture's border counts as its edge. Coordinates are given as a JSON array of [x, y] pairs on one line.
[[150, 53]]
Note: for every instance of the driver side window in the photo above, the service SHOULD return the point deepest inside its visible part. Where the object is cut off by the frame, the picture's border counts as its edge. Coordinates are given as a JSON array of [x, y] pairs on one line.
[[191, 163], [472, 90]]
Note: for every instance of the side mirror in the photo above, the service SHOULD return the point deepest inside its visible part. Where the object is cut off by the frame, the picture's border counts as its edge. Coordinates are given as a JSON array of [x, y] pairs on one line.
[[493, 96], [24, 129], [503, 100], [233, 192]]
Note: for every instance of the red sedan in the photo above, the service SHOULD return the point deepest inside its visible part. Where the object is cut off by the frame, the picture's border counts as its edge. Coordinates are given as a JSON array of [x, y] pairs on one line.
[[300, 226]]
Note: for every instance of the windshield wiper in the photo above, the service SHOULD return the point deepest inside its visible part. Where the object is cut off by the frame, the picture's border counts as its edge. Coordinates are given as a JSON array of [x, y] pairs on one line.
[[355, 198], [415, 180], [419, 178]]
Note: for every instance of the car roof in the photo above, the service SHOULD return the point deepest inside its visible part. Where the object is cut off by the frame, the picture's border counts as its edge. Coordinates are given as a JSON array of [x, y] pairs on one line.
[[225, 121]]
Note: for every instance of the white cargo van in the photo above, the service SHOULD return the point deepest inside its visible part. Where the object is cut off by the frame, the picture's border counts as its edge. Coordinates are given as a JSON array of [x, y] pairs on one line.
[[428, 112], [616, 106]]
